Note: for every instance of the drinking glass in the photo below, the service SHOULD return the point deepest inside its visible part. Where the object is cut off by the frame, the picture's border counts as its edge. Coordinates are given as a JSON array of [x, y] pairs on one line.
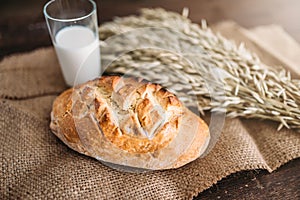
[[73, 28]]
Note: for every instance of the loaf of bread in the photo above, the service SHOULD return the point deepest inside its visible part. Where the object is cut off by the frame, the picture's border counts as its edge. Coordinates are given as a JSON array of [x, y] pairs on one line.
[[128, 121]]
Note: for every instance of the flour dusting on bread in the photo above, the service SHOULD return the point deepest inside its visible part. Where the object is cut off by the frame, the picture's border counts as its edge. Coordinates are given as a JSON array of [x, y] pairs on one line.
[[128, 121]]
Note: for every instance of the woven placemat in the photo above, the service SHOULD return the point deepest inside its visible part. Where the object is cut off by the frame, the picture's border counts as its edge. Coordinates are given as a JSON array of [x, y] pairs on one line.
[[36, 164]]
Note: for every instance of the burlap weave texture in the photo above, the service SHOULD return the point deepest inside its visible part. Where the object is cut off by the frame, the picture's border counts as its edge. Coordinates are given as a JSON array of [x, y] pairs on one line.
[[35, 164]]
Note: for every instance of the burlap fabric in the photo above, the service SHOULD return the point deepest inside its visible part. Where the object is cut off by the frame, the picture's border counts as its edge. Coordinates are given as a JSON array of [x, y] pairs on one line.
[[35, 164]]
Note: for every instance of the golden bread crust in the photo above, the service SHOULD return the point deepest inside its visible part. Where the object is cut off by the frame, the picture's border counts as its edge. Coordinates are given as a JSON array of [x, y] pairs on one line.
[[128, 121]]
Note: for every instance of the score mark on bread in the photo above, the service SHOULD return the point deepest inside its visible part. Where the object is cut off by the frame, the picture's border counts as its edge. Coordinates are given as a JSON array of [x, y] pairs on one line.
[[128, 121]]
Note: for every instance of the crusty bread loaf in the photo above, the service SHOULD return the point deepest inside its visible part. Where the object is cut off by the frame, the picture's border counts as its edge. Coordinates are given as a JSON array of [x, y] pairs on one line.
[[128, 121]]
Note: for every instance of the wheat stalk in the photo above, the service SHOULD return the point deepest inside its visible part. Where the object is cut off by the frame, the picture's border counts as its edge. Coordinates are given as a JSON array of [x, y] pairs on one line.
[[251, 88]]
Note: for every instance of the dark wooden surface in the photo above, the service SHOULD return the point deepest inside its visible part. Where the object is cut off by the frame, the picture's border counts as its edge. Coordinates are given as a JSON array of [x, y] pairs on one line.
[[22, 28]]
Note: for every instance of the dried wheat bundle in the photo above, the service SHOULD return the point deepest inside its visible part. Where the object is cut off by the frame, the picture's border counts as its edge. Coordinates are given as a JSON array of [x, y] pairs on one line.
[[248, 88]]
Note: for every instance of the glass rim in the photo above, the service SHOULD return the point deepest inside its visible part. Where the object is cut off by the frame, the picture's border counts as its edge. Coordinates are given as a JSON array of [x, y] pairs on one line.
[[71, 19]]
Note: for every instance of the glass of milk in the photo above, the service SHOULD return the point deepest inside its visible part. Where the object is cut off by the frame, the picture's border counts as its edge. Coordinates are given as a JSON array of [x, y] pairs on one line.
[[73, 29]]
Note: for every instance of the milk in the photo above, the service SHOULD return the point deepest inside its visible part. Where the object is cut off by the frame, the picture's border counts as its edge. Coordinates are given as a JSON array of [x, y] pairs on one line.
[[78, 52]]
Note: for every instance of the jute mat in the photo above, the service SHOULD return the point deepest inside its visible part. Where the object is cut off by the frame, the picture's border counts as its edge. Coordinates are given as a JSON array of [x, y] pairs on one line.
[[37, 165]]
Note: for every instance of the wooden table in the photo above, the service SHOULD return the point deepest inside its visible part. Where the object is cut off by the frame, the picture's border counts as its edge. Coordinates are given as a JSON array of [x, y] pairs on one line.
[[23, 28]]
